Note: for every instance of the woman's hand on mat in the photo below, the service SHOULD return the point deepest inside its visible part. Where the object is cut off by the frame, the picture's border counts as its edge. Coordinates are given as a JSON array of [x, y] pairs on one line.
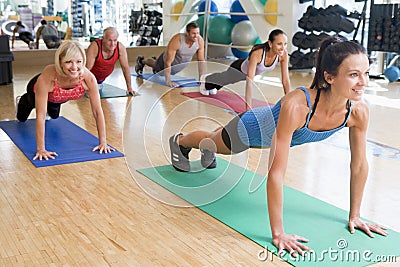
[[291, 243], [44, 154], [103, 148], [367, 227]]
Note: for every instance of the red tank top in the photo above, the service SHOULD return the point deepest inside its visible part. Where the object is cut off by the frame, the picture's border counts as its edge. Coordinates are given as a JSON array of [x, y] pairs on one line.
[[60, 95], [102, 67]]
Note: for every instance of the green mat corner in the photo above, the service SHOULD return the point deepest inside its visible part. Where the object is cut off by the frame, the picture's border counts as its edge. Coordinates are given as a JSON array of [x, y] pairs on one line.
[[111, 91], [224, 194]]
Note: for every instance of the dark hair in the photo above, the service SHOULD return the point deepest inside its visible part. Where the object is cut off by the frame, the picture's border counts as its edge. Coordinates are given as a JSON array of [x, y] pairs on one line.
[[271, 37], [19, 23], [332, 51], [43, 22], [191, 25]]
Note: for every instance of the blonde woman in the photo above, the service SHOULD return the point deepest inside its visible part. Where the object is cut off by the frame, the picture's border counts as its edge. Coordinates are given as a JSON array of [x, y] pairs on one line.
[[67, 79]]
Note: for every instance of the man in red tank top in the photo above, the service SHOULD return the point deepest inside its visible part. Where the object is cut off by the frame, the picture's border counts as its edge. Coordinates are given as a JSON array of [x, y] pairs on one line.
[[102, 54]]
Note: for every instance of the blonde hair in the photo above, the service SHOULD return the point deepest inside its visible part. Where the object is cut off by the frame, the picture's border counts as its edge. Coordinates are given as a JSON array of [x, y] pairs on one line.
[[67, 51]]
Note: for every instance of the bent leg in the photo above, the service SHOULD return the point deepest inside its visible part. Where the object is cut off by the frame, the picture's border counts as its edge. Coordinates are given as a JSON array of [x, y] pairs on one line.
[[230, 76], [149, 62], [27, 101], [206, 140], [53, 109]]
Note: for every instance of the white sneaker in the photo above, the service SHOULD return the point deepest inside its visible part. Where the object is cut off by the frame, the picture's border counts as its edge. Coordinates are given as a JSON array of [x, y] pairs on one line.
[[203, 89], [213, 91]]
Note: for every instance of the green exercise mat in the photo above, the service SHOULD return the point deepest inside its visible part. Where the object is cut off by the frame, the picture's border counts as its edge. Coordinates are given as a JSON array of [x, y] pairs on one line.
[[224, 193], [110, 91]]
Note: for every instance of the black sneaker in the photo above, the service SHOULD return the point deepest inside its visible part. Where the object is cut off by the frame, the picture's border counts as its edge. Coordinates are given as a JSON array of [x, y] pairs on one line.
[[179, 154], [139, 65], [208, 159]]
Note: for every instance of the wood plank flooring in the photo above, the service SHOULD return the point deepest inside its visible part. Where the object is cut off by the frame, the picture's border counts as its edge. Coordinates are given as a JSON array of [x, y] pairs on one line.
[[97, 213]]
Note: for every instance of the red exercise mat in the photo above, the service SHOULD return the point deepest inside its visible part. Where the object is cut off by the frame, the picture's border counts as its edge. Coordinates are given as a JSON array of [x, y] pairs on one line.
[[226, 100]]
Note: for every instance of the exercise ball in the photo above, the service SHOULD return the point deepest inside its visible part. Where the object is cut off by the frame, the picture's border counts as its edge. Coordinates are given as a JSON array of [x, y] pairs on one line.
[[220, 29], [239, 53], [236, 7], [258, 41], [271, 6], [392, 73], [213, 7], [177, 9], [243, 33], [200, 22]]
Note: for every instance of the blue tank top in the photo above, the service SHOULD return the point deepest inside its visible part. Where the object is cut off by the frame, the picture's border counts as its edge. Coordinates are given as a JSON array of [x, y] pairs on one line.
[[257, 126]]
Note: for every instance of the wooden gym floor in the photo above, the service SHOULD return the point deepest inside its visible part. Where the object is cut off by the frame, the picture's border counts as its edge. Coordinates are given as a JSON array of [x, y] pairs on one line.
[[97, 213]]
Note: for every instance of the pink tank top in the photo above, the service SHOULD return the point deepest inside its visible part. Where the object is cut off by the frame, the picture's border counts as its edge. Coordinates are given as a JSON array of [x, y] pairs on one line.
[[60, 95]]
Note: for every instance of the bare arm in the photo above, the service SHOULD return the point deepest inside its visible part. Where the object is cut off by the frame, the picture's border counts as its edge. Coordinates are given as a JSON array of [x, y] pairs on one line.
[[255, 58], [94, 98], [13, 36], [123, 60], [200, 57], [291, 118], [91, 54], [43, 87], [285, 72], [172, 47], [38, 33], [359, 169]]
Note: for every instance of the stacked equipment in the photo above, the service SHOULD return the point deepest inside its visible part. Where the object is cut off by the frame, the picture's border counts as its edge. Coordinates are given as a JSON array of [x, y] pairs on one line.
[[326, 22], [147, 24]]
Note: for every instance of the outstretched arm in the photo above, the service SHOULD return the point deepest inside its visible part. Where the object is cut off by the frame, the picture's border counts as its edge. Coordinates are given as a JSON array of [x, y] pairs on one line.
[[200, 57], [13, 36], [172, 47], [91, 54], [123, 61], [94, 98], [291, 118], [38, 33], [254, 59], [43, 87], [285, 72], [359, 169]]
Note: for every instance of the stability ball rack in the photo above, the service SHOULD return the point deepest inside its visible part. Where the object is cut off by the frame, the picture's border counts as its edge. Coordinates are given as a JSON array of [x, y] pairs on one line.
[[208, 14]]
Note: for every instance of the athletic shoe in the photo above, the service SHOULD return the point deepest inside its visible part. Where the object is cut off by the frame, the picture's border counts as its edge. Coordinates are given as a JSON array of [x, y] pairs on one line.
[[139, 65], [203, 89], [208, 159], [179, 154], [213, 91], [32, 45]]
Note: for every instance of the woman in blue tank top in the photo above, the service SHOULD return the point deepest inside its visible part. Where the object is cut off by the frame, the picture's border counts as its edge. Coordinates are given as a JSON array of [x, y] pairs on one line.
[[262, 58], [333, 101]]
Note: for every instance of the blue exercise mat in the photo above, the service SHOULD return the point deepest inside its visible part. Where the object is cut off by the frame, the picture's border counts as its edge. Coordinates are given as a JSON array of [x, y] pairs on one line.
[[71, 142], [224, 193], [181, 81]]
